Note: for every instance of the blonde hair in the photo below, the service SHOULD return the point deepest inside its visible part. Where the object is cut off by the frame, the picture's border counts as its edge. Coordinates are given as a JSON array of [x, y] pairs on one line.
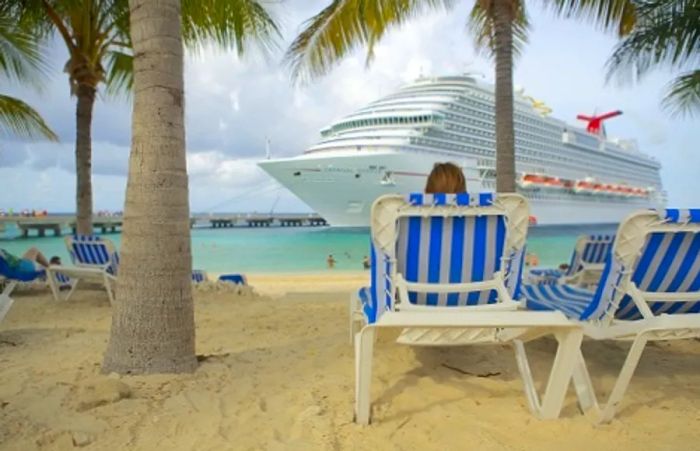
[[446, 178]]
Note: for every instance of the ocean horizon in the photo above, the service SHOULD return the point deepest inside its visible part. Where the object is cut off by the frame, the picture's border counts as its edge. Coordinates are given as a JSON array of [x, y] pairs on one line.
[[298, 249]]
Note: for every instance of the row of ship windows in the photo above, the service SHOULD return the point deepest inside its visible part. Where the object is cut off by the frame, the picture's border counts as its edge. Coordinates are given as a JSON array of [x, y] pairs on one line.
[[406, 120], [538, 157]]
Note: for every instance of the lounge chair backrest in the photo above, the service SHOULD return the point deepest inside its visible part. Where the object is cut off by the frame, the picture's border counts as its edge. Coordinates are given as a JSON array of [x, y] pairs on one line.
[[91, 250], [654, 252], [589, 249], [198, 276], [446, 239]]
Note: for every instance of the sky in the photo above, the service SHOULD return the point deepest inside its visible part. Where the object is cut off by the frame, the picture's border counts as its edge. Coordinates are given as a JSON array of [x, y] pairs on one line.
[[233, 105]]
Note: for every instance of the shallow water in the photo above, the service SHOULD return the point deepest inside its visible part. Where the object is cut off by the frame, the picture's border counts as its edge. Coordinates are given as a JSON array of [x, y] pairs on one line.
[[259, 250]]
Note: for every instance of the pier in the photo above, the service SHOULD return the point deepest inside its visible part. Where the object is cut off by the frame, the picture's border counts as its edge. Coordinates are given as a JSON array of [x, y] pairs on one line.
[[56, 224], [274, 220]]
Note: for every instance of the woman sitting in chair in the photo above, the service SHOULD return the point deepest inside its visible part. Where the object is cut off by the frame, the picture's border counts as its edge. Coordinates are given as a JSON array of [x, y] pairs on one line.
[[446, 178]]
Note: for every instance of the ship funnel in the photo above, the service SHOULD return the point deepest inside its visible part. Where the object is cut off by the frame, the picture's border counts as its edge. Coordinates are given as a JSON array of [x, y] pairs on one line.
[[595, 122]]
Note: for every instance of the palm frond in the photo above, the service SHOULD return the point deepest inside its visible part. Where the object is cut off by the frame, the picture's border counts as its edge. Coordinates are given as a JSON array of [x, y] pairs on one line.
[[232, 24], [617, 16], [120, 73], [345, 25], [667, 33], [683, 95], [19, 119], [481, 27], [20, 52]]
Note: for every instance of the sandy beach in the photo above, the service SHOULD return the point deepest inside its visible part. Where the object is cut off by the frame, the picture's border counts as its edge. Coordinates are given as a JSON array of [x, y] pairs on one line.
[[276, 373]]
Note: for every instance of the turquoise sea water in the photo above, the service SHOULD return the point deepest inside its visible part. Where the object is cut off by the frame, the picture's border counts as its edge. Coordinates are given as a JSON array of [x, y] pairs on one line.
[[299, 249]]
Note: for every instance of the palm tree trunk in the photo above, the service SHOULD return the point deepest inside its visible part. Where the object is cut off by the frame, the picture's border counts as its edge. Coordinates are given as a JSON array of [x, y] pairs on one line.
[[505, 133], [153, 319], [83, 158]]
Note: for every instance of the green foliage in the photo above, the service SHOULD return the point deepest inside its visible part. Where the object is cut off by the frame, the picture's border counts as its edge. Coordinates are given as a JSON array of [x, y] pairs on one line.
[[667, 34], [481, 26], [618, 16], [97, 36], [19, 119], [344, 25], [20, 61]]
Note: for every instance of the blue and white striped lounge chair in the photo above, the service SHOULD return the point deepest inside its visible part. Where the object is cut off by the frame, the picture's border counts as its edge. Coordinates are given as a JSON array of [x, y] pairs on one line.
[[586, 263], [448, 269], [199, 276], [649, 290], [9, 280], [236, 279], [94, 258]]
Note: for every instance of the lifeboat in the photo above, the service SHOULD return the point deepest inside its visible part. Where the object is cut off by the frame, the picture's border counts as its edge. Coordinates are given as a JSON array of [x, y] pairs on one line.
[[585, 186], [543, 181]]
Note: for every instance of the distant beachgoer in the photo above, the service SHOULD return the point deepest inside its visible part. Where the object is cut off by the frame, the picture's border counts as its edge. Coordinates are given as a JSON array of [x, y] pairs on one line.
[[330, 261], [531, 259], [446, 178], [365, 262], [563, 267], [31, 261]]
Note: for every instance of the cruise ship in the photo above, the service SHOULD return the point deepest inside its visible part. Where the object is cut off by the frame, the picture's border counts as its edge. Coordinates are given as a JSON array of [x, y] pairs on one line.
[[570, 174]]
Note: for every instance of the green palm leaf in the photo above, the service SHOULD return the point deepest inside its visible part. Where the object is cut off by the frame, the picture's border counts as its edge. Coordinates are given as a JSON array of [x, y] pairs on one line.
[[481, 23], [232, 24], [18, 118], [618, 16], [667, 33], [346, 24], [683, 95], [20, 53]]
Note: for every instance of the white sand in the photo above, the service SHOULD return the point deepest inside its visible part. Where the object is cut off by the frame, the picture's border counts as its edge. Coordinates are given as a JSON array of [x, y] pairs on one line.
[[277, 374]]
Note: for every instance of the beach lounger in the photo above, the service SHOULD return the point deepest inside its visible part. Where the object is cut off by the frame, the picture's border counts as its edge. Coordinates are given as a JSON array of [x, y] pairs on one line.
[[447, 269], [649, 290], [94, 258], [9, 280], [199, 276], [237, 279], [586, 263]]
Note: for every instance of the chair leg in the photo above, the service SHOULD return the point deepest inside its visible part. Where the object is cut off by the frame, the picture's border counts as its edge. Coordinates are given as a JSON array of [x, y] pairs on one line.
[[364, 347], [74, 285], [108, 287], [584, 386], [623, 380], [562, 371], [586, 392], [5, 300], [356, 316], [51, 279], [351, 316], [559, 377], [533, 400]]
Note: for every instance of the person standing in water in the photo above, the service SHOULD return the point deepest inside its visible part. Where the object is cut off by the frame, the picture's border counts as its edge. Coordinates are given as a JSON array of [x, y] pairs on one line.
[[330, 261]]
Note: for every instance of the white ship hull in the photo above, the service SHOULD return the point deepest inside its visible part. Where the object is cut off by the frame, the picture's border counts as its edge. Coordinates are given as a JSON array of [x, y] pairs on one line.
[[341, 186]]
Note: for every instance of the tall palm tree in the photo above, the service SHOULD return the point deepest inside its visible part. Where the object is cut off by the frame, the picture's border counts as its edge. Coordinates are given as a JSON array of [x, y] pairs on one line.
[[96, 35], [153, 319], [498, 25], [667, 33], [20, 61]]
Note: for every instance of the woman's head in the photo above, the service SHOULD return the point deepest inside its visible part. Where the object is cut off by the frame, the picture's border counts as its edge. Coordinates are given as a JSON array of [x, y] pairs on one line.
[[446, 178]]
